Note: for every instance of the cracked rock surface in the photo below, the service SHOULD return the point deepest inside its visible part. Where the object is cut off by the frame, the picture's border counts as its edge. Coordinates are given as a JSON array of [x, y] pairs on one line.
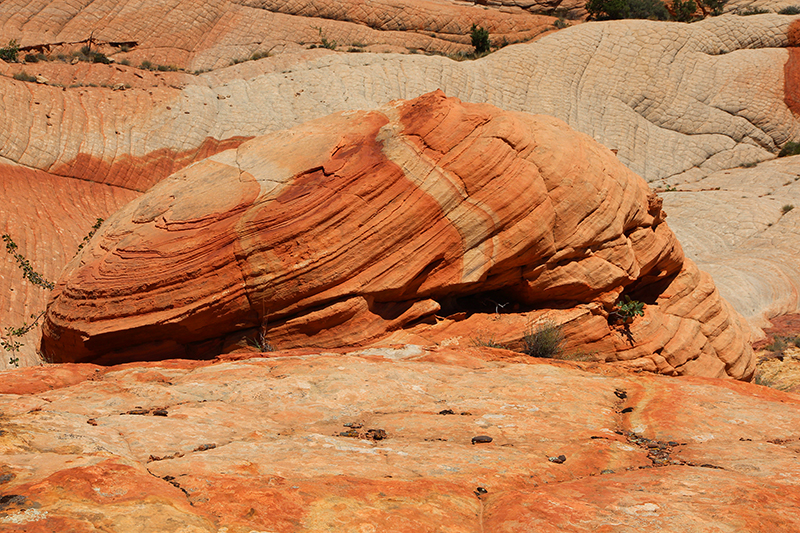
[[288, 442]]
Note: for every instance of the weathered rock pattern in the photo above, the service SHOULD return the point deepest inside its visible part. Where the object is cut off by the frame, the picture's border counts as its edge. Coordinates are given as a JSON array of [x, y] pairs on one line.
[[743, 227], [47, 216], [382, 441], [346, 229], [209, 34], [672, 98]]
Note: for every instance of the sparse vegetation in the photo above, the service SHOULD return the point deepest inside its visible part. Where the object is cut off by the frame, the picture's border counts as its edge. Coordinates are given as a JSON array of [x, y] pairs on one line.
[[790, 148], [480, 39], [544, 340], [560, 23], [682, 11], [10, 52], [485, 341], [790, 10], [751, 11], [9, 342], [24, 76], [628, 309], [146, 65], [786, 208]]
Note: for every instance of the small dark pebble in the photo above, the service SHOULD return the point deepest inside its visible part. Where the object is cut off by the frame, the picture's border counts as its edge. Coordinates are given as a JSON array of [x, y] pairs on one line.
[[480, 491], [621, 394], [349, 433], [558, 460], [652, 444], [160, 412], [466, 413], [204, 447], [447, 412], [137, 412], [355, 425], [481, 439], [607, 471], [672, 443], [92, 422], [628, 410], [376, 434], [745, 440]]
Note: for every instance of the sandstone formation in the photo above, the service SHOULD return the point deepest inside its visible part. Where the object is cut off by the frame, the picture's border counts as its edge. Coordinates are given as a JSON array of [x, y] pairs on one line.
[[349, 228], [47, 216], [674, 99], [677, 101], [209, 34], [381, 440], [743, 227]]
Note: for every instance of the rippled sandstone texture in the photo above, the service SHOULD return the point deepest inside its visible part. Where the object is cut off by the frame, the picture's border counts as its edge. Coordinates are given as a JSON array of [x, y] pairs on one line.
[[677, 101], [281, 444], [363, 225]]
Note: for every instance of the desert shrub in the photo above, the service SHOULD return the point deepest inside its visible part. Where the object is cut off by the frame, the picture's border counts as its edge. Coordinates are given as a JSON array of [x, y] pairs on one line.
[[544, 340], [790, 10], [684, 11], [24, 76], [146, 65], [480, 39], [31, 58], [485, 341], [627, 9], [167, 68], [560, 23], [786, 208], [125, 62], [790, 148], [751, 11], [628, 309], [10, 52]]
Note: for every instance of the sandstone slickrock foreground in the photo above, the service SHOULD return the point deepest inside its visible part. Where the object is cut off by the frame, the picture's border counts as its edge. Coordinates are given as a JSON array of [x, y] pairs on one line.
[[365, 226], [381, 440]]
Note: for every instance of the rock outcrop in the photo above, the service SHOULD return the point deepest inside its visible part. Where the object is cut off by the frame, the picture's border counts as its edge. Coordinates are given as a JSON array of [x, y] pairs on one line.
[[382, 440], [210, 34], [346, 229], [743, 227], [677, 101]]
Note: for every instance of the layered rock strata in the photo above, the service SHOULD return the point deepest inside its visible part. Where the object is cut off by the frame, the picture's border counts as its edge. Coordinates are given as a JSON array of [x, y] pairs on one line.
[[347, 229]]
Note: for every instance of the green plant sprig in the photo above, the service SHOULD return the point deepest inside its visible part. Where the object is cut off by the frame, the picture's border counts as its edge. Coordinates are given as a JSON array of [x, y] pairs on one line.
[[27, 270]]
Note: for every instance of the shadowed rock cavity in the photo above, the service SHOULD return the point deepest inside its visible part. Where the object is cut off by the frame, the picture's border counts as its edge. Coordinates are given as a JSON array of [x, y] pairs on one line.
[[359, 227]]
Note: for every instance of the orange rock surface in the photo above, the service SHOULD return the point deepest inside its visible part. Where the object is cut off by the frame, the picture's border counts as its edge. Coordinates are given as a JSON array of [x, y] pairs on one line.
[[367, 226], [209, 34], [382, 440]]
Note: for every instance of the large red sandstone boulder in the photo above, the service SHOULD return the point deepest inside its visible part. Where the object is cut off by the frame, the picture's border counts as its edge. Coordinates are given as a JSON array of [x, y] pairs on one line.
[[364, 225]]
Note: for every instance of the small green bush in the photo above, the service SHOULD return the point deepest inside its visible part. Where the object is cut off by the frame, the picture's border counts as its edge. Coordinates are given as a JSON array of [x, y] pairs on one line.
[[790, 10], [790, 148], [31, 58], [480, 39], [684, 11], [785, 209], [560, 24], [544, 340], [629, 309], [167, 68], [24, 76], [146, 65], [10, 52], [752, 11]]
